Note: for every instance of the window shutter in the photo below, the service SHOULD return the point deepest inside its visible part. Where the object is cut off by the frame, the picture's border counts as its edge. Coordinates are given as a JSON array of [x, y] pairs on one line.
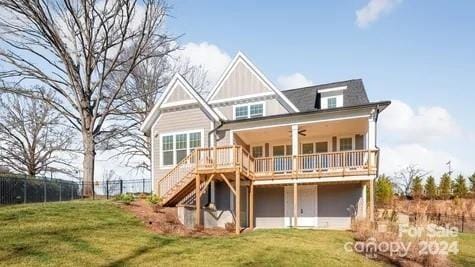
[[334, 143], [318, 101]]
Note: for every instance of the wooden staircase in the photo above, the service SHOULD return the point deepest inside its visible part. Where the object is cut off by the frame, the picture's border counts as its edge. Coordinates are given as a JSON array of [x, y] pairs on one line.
[[179, 181], [178, 184]]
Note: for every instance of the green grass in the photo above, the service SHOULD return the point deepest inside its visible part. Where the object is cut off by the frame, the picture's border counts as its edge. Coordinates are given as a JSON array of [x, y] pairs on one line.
[[466, 255], [101, 234]]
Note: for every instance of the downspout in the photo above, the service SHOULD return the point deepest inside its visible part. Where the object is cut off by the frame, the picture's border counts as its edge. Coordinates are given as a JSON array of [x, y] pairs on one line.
[[212, 132], [376, 139]]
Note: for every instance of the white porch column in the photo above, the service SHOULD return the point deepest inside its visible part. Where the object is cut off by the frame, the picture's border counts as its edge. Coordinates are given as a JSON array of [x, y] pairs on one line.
[[295, 146], [371, 139], [365, 204], [372, 131]]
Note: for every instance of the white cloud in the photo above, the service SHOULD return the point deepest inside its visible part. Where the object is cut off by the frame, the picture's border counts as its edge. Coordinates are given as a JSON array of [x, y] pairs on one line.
[[373, 11], [208, 56], [428, 137], [396, 157], [422, 124], [293, 81]]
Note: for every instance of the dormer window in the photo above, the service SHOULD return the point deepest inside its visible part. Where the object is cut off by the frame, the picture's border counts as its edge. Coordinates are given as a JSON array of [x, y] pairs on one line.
[[331, 97], [246, 111], [331, 102]]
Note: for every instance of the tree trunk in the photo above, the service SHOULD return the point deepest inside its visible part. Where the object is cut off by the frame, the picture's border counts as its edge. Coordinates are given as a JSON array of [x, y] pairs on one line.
[[88, 163]]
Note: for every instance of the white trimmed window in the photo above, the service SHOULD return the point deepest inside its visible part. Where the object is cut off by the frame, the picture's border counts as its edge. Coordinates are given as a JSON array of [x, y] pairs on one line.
[[331, 102], [257, 151], [176, 146], [346, 144], [167, 150], [247, 111]]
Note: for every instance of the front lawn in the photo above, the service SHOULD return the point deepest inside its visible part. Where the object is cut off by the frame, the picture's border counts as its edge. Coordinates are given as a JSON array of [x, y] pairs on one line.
[[97, 233]]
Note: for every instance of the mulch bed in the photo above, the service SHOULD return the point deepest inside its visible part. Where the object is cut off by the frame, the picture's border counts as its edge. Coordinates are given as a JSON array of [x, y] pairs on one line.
[[165, 221]]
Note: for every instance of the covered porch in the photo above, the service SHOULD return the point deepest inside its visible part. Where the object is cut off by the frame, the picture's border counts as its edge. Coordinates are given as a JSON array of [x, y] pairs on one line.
[[325, 149]]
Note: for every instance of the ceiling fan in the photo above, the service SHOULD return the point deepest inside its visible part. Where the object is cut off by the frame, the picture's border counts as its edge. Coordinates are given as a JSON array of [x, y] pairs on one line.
[[301, 132]]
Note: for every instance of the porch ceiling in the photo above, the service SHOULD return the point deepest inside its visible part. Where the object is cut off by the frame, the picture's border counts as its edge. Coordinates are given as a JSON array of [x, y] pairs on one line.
[[312, 131]]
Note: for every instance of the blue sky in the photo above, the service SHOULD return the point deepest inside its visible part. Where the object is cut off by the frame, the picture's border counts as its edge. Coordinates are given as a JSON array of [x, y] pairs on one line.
[[420, 54]]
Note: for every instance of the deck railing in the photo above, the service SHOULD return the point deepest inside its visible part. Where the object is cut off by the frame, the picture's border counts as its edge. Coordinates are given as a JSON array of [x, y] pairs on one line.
[[345, 162], [182, 170], [354, 162]]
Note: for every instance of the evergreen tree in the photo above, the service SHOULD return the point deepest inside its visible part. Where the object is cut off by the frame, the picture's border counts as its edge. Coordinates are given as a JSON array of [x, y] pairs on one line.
[[460, 187], [445, 186], [384, 190], [417, 189], [472, 182], [430, 188]]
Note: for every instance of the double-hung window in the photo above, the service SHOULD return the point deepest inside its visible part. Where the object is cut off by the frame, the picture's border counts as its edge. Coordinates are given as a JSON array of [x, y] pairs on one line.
[[175, 147], [248, 111], [181, 149], [346, 144], [331, 102], [167, 150], [241, 112], [257, 151]]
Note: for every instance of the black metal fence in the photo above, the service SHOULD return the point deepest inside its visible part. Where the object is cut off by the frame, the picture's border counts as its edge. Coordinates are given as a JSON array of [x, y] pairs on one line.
[[118, 187], [464, 222], [18, 189]]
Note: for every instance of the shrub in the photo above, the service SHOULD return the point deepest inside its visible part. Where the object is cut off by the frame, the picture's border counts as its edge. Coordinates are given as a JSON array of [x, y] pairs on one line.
[[154, 199], [125, 198], [384, 190]]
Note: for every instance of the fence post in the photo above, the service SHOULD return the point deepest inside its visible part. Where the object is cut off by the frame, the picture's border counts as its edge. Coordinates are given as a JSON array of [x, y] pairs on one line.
[[72, 190], [143, 186], [82, 189], [121, 183], [24, 191], [463, 220], [60, 190], [44, 189], [107, 189]]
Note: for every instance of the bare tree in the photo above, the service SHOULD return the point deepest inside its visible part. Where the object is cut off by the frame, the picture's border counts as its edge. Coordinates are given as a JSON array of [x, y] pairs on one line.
[[84, 50], [33, 138], [146, 83], [404, 178]]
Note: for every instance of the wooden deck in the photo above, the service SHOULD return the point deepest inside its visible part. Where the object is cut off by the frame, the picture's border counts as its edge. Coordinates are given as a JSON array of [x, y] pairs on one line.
[[231, 164], [229, 160]]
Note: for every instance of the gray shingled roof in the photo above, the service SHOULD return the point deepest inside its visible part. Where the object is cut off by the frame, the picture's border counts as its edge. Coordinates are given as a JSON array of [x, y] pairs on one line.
[[305, 98]]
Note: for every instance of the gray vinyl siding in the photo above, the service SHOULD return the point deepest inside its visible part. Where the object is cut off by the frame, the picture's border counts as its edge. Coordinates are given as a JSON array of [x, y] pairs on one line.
[[176, 121], [335, 202], [223, 138], [269, 207]]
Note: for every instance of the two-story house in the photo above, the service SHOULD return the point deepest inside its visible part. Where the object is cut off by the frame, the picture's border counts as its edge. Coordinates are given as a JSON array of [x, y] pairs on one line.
[[260, 157]]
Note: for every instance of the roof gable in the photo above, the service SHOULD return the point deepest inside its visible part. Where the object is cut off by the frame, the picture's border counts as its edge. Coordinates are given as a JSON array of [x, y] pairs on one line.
[[242, 78], [178, 94], [177, 88]]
